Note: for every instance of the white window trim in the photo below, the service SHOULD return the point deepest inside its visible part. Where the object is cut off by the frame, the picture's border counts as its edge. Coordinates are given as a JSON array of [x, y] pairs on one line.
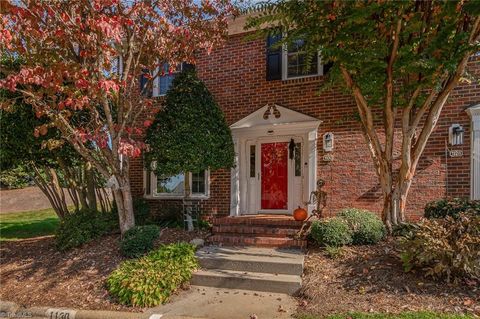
[[285, 66], [155, 195], [156, 82]]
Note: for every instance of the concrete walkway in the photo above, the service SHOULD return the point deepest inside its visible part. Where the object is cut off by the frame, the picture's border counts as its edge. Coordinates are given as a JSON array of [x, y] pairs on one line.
[[217, 303]]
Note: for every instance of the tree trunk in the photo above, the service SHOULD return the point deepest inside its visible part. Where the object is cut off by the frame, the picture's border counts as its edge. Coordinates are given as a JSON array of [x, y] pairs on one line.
[[400, 198], [387, 211], [123, 199], [51, 189], [90, 186], [395, 199]]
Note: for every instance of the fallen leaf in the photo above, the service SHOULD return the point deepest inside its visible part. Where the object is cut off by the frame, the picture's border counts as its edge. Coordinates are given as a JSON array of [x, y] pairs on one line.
[[468, 302]]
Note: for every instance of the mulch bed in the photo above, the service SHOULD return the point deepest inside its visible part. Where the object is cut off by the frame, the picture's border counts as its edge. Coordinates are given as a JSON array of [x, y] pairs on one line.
[[371, 279], [34, 273]]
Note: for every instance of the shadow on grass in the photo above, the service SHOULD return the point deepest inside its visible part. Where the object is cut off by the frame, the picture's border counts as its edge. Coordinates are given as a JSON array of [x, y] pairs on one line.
[[12, 230]]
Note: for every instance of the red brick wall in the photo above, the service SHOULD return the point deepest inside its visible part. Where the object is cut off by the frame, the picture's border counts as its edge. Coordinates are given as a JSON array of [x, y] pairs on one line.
[[235, 74]]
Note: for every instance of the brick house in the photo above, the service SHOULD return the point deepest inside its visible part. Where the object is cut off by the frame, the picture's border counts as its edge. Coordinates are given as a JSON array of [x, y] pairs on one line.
[[287, 136]]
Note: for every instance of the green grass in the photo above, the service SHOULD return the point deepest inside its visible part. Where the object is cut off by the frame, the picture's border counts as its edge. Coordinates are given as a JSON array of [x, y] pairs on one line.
[[14, 226], [405, 315]]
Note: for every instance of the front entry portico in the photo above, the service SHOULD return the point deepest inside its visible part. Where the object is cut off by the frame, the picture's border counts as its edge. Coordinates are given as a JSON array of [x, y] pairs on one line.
[[276, 160]]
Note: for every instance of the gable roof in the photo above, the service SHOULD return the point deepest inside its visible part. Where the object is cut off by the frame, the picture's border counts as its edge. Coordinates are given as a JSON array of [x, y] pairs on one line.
[[273, 115]]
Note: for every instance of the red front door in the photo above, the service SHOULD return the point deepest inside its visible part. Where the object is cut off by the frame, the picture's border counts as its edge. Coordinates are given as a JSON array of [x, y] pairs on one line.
[[274, 175]]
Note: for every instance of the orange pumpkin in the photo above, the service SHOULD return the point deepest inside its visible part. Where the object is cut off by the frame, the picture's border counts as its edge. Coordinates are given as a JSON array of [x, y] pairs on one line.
[[300, 214]]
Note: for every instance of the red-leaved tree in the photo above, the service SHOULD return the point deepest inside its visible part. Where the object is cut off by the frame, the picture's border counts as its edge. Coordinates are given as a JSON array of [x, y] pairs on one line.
[[82, 61]]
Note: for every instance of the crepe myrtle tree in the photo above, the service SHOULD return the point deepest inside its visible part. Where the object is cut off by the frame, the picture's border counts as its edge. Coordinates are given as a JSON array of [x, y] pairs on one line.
[[55, 167], [52, 163], [89, 55], [190, 133], [400, 60]]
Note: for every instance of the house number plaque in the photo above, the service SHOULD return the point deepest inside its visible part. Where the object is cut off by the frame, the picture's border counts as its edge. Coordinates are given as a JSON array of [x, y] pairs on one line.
[[455, 153], [327, 157]]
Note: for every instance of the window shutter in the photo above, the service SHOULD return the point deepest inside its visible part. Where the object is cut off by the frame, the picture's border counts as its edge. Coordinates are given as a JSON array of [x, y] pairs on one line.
[[274, 57], [148, 181], [327, 67], [143, 85]]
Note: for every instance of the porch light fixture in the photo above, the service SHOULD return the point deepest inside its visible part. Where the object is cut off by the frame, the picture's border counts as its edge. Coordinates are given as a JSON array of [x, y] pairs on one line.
[[328, 142], [455, 134]]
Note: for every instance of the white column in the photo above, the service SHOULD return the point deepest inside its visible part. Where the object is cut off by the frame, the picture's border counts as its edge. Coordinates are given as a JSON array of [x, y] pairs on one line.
[[312, 166], [235, 182], [474, 112]]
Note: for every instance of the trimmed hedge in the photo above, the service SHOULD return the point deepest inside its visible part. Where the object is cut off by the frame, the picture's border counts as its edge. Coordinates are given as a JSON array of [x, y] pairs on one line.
[[83, 226], [367, 228], [139, 240], [451, 207], [350, 226], [333, 232], [150, 280]]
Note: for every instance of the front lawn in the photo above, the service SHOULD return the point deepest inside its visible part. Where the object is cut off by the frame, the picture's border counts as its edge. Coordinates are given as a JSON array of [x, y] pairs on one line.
[[406, 315], [14, 226]]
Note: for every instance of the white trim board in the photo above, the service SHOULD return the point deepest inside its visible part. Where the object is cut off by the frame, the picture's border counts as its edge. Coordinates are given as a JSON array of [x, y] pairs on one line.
[[264, 125], [474, 113]]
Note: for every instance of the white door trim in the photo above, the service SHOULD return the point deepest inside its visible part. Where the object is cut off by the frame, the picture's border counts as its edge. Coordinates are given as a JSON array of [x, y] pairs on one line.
[[474, 113], [255, 127]]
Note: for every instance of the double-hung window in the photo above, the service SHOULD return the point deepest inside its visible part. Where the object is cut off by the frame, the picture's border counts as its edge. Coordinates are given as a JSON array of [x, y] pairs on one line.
[[284, 62], [298, 63], [162, 81], [165, 79]]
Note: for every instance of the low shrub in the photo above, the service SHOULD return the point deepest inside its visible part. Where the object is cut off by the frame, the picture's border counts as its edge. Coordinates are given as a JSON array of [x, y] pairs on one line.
[[204, 224], [451, 207], [404, 229], [333, 232], [150, 280], [141, 210], [81, 227], [367, 228], [447, 247], [139, 240]]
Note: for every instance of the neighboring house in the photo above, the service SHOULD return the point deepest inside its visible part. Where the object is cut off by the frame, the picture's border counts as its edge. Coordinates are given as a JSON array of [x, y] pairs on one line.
[[287, 135]]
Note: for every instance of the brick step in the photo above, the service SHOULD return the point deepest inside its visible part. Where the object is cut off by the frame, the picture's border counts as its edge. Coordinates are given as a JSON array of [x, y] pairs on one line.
[[252, 259], [259, 241], [267, 222], [231, 279], [264, 231]]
